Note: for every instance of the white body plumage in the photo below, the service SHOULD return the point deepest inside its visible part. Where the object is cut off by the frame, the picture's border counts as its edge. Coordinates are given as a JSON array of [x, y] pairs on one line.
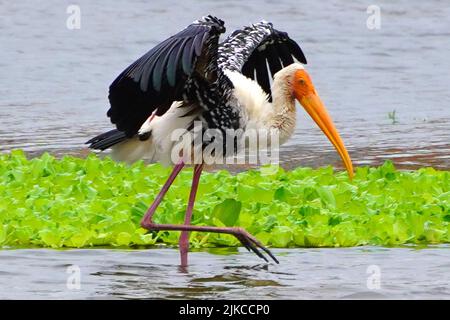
[[255, 110]]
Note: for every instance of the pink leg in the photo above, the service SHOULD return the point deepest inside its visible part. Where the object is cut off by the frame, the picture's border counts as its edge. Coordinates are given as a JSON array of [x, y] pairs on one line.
[[247, 240], [184, 238], [151, 211]]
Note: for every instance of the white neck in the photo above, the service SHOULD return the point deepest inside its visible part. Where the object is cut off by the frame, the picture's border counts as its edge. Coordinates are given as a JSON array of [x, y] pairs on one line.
[[283, 115], [280, 114]]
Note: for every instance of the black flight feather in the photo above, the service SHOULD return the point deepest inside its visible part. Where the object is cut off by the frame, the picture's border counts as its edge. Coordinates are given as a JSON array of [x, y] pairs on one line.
[[258, 49], [157, 79]]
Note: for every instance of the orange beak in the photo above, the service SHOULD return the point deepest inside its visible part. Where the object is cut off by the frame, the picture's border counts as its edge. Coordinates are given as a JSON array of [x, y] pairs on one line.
[[316, 109]]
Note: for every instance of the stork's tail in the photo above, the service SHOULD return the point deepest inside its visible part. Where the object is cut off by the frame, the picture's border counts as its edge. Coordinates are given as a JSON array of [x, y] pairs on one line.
[[124, 148], [107, 140]]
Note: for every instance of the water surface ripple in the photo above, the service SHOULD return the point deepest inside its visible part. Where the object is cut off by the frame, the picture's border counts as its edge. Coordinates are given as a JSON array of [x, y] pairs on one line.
[[405, 273], [53, 92]]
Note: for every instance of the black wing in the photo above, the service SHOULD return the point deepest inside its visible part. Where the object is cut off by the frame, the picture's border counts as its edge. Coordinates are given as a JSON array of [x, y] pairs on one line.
[[158, 78], [259, 51]]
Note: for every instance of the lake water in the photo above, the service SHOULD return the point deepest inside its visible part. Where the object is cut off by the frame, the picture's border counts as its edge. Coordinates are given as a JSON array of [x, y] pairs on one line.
[[347, 273], [53, 97], [53, 88]]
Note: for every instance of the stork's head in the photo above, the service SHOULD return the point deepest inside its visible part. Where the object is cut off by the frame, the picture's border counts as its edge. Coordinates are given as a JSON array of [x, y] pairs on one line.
[[305, 92]]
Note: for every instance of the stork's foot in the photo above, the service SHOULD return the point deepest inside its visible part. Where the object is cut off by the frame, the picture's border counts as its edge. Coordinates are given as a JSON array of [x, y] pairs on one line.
[[247, 240], [252, 244]]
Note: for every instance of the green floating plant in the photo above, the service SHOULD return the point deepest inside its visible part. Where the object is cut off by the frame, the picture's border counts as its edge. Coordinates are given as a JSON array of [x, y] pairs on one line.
[[72, 202]]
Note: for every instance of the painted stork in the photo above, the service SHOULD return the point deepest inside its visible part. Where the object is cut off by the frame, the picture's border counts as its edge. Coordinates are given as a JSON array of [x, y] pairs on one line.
[[250, 80]]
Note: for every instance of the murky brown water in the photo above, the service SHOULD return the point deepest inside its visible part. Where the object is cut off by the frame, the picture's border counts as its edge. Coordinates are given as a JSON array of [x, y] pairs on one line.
[[53, 88], [404, 273]]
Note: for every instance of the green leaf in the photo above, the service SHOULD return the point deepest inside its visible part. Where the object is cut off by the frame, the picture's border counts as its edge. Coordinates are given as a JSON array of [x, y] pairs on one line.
[[326, 196], [281, 236], [2, 234], [74, 202], [123, 239], [228, 212]]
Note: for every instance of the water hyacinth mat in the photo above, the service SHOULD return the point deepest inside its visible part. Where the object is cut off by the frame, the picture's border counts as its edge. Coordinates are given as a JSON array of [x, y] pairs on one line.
[[73, 202]]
